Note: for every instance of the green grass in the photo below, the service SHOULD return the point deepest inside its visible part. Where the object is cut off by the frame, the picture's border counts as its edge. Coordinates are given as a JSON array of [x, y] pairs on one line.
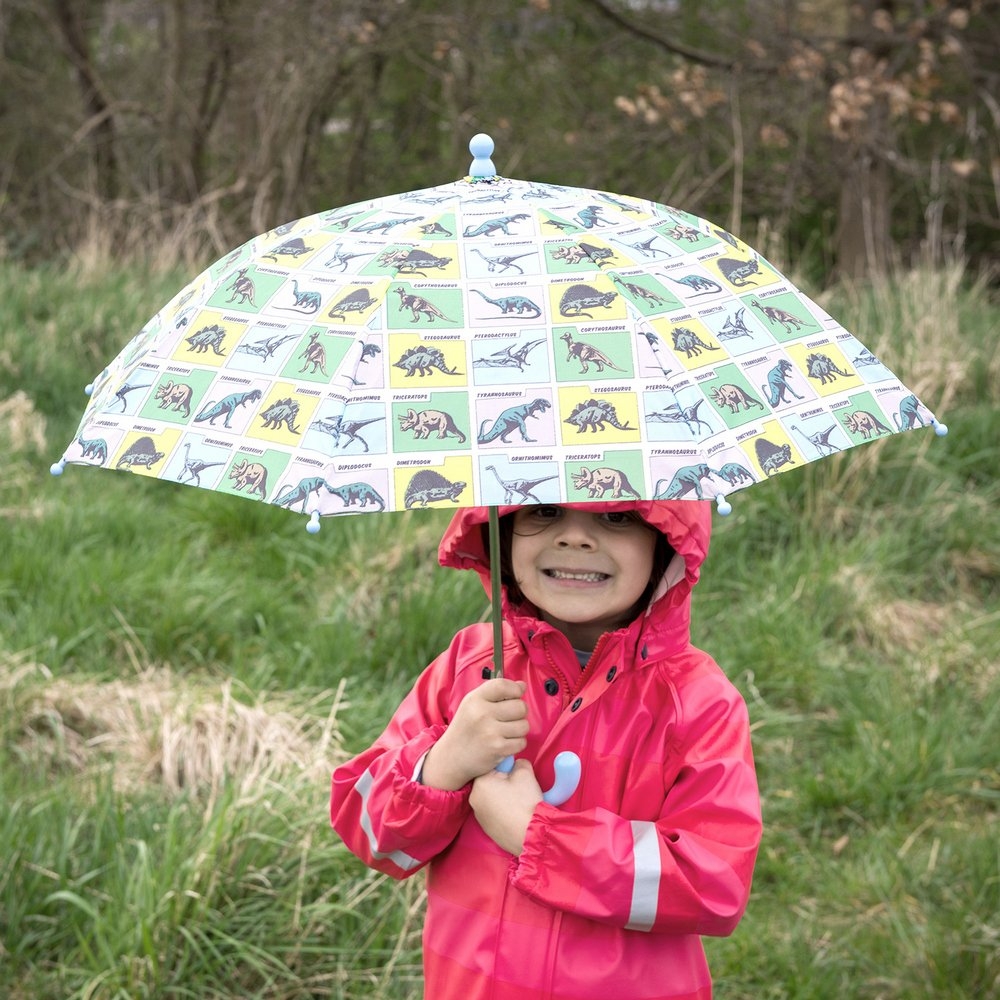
[[179, 671]]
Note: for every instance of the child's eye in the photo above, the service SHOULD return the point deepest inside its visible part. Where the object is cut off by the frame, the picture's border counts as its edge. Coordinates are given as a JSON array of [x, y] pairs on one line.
[[620, 517], [546, 512]]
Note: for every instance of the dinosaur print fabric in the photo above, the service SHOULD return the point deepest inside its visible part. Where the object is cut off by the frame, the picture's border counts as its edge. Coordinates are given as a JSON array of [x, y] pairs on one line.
[[483, 342]]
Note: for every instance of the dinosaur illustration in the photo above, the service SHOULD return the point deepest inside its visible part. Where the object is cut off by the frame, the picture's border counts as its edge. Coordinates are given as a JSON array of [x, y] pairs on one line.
[[597, 482], [434, 229], [339, 427], [503, 261], [587, 355], [126, 389], [227, 406], [412, 261], [697, 283], [428, 486], [242, 287], [423, 359], [194, 467], [357, 301], [675, 414], [284, 411], [865, 423], [513, 419], [645, 248], [509, 357], [824, 368], [522, 488], [208, 337], [314, 353], [638, 291], [622, 206], [820, 440], [772, 456], [593, 414], [305, 301], [735, 326], [685, 339], [590, 217], [175, 396], [908, 416], [249, 476], [293, 248], [685, 480], [507, 304], [778, 384], [678, 231], [734, 473], [340, 259], [265, 348], [384, 225], [141, 452], [361, 494], [300, 494], [734, 397], [96, 448], [578, 298], [492, 226], [773, 314], [738, 272], [417, 304], [425, 422]]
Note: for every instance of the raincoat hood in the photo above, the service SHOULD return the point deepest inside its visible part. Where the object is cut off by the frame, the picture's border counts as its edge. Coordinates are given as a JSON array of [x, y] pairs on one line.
[[685, 523]]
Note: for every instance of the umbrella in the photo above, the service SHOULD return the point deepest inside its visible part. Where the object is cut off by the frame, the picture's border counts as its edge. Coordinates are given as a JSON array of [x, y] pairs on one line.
[[488, 341]]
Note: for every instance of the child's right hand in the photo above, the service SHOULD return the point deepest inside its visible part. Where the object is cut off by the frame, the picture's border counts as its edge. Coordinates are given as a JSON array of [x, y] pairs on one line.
[[491, 723]]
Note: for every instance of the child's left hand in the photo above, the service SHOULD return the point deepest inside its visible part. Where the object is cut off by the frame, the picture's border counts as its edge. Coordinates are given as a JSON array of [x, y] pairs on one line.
[[505, 803]]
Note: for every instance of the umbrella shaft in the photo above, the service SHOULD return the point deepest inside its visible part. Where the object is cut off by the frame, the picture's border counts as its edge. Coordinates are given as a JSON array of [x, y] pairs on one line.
[[494, 528]]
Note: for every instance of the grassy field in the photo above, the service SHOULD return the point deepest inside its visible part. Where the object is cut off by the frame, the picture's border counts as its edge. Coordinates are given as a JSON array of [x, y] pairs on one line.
[[179, 671]]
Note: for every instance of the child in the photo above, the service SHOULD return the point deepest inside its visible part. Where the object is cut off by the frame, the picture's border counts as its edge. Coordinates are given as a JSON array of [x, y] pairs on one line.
[[603, 898]]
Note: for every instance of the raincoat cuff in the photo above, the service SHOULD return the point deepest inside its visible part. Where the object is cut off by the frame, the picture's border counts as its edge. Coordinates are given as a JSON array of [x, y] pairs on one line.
[[528, 871]]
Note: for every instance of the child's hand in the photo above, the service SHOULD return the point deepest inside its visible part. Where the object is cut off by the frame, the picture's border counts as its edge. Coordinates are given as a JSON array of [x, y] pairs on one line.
[[505, 803], [491, 723]]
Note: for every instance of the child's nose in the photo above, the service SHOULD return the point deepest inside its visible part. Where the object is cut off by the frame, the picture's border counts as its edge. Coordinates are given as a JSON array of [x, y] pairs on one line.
[[576, 529]]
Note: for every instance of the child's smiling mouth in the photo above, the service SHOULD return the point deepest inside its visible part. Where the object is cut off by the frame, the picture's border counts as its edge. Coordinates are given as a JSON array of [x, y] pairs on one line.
[[582, 577]]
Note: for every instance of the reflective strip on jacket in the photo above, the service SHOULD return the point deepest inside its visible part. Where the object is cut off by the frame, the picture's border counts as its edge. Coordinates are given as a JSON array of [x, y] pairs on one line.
[[655, 847]]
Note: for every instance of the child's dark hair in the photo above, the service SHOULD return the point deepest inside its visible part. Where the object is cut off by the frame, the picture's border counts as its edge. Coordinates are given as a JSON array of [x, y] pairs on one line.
[[662, 554]]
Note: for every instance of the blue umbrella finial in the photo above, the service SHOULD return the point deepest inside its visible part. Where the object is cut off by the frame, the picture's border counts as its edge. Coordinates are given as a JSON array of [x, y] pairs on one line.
[[481, 147]]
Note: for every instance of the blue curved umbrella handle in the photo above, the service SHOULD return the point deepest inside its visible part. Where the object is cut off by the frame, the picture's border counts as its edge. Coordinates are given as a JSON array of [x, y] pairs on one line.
[[567, 767]]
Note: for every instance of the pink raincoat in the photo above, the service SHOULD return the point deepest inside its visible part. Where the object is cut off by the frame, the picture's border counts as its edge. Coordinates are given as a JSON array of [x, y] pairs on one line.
[[656, 846]]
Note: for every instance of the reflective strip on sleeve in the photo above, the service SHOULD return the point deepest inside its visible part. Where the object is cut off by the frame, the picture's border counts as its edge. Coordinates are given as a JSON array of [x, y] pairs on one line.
[[363, 787], [646, 884]]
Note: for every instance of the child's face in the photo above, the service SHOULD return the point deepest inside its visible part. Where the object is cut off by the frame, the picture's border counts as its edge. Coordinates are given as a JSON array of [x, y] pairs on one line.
[[583, 572]]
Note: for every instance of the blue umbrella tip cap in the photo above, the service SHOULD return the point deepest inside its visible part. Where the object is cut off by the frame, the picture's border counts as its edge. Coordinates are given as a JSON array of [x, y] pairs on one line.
[[313, 526], [724, 506], [939, 428], [481, 147], [57, 467]]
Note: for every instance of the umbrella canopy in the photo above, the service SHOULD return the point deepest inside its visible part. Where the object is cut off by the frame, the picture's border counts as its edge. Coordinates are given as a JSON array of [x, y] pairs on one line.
[[488, 341]]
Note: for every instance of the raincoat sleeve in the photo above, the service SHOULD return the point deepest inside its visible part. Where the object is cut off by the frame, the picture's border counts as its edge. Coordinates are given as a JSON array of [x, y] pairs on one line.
[[686, 871], [378, 806]]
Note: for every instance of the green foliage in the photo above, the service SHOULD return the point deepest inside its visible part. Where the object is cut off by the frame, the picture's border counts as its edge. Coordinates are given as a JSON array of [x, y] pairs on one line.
[[161, 840]]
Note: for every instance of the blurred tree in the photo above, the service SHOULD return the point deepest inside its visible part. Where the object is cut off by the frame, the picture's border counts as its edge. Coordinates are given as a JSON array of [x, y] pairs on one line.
[[846, 132]]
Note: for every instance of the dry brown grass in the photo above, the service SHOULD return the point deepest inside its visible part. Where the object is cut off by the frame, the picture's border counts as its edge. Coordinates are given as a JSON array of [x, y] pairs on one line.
[[161, 730]]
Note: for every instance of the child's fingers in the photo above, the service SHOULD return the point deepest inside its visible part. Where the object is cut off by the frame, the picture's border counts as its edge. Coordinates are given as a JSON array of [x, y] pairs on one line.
[[502, 689]]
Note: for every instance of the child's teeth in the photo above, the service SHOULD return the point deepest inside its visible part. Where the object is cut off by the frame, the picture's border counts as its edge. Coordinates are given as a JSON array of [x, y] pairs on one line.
[[588, 577]]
